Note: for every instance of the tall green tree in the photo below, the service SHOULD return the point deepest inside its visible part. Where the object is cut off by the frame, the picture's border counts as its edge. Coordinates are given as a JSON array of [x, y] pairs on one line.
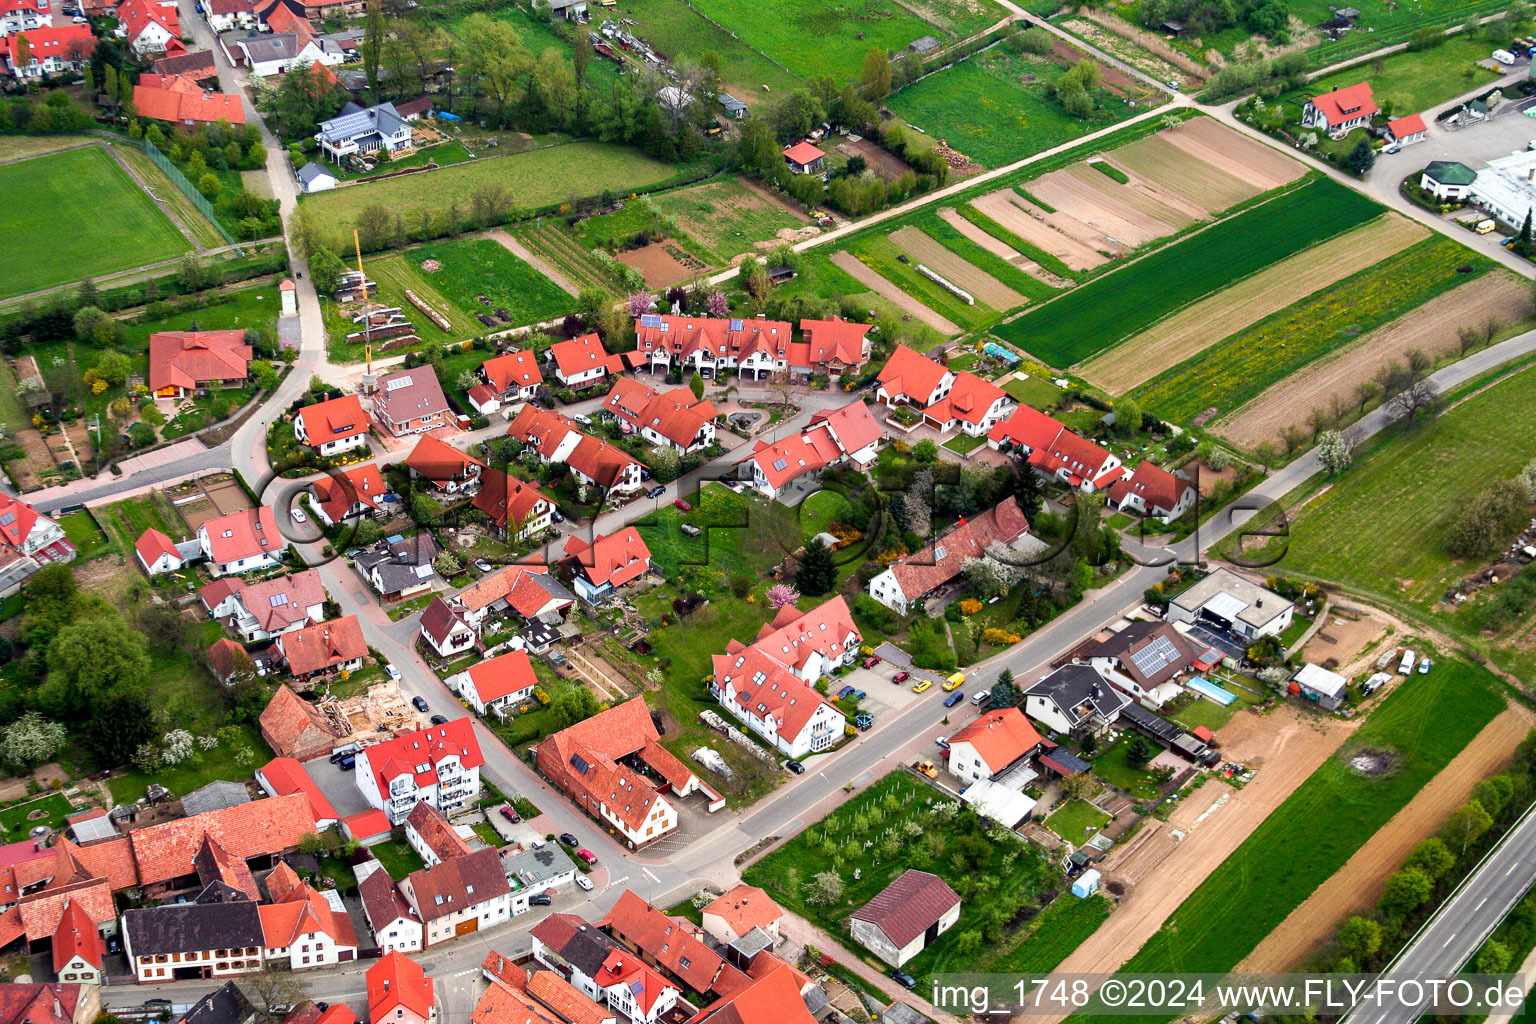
[[875, 79], [372, 50], [90, 658], [818, 572]]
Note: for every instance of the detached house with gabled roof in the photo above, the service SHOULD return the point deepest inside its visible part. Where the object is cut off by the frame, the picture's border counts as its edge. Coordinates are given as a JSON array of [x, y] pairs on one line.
[[1152, 491], [29, 540], [512, 376], [399, 992], [835, 346], [609, 562], [1075, 700], [461, 895], [596, 463], [580, 361], [241, 541], [908, 378], [78, 955], [449, 471], [324, 648], [393, 920], [517, 509], [439, 765], [674, 946], [360, 131], [410, 402], [148, 27], [1342, 111], [849, 434], [905, 917], [350, 495], [187, 363], [973, 405], [491, 686], [446, 629], [333, 426], [261, 611], [991, 744], [674, 419], [908, 580]]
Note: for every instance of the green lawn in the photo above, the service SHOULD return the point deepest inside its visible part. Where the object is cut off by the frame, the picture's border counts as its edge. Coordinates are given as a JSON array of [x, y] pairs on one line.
[[397, 857], [1033, 392], [981, 107], [65, 239], [18, 823], [898, 814], [536, 178], [1321, 825], [842, 30], [1076, 821], [676, 29], [1097, 315], [85, 535], [1418, 80], [217, 765], [723, 217], [1238, 369], [1114, 767], [964, 444], [1382, 24], [1381, 526]]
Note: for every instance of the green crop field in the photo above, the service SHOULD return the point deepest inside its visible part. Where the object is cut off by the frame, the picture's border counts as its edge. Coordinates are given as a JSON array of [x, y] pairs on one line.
[[1416, 81], [1321, 825], [1236, 370], [55, 238], [1381, 526], [1097, 315], [1384, 22], [820, 37], [723, 217], [677, 30], [980, 107], [536, 178]]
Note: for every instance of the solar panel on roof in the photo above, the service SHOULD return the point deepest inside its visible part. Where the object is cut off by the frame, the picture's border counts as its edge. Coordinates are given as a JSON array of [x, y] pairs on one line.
[[1155, 657], [580, 764], [277, 600], [650, 320]]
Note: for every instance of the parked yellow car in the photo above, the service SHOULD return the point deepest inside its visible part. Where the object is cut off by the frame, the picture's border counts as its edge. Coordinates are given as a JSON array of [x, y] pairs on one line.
[[953, 683], [923, 687]]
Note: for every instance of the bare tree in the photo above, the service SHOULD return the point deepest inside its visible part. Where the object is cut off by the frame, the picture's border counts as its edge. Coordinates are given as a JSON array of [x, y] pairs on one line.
[[1318, 420], [1421, 395], [1366, 390], [1491, 327], [1418, 360], [1467, 338], [272, 993], [778, 384]]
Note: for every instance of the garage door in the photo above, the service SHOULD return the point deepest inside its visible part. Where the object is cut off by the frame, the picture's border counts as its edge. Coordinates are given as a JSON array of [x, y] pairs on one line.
[[466, 927]]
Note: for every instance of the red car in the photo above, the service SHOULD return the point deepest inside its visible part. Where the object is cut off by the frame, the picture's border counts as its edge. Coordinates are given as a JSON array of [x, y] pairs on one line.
[[871, 662], [901, 677], [680, 503], [588, 857]]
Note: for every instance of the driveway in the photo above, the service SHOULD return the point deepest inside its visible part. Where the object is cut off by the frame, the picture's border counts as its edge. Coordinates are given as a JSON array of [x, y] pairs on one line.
[[339, 787]]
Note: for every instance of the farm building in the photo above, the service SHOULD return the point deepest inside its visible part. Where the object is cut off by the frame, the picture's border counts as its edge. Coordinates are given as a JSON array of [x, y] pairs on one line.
[[1447, 179], [1317, 684], [570, 10], [1229, 603], [734, 108], [923, 45], [804, 158], [1341, 111], [905, 917], [1405, 131]]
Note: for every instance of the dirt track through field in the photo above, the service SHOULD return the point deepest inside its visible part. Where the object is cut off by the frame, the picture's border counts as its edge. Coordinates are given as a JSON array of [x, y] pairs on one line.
[[1285, 746], [1024, 220], [1433, 327], [1118, 216], [1198, 326], [985, 288], [998, 247], [1216, 145], [1155, 159], [887, 290], [1359, 883], [538, 263]]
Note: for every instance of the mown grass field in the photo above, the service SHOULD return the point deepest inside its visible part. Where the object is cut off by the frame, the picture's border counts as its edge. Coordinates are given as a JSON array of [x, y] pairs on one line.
[[1238, 369], [536, 178], [980, 107], [55, 237], [723, 217], [1381, 526], [822, 37], [175, 199], [1097, 315], [677, 30], [1382, 23], [1418, 80], [1323, 823]]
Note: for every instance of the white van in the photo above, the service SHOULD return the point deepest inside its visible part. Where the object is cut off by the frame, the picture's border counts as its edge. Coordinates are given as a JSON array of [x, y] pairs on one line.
[[1406, 666], [1504, 57]]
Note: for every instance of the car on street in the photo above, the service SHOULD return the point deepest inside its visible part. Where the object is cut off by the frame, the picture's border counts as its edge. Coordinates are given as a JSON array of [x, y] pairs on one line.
[[439, 720], [794, 767], [483, 565], [901, 677], [392, 672], [539, 901], [950, 684], [587, 857], [957, 678], [419, 703], [904, 979], [923, 687], [953, 699], [943, 742], [296, 512], [656, 492], [584, 883], [680, 503], [569, 840]]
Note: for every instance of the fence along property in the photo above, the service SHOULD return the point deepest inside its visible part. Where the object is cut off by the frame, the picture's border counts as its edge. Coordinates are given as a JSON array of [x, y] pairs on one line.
[[178, 179]]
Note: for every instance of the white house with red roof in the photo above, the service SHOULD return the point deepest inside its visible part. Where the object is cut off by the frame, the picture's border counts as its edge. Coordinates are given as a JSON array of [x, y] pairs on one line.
[[439, 766], [595, 462], [446, 630], [1055, 451], [835, 346], [581, 361], [634, 989], [148, 27], [1407, 130], [804, 158], [850, 433], [227, 15], [973, 405], [710, 345], [491, 686], [282, 776], [78, 956], [909, 378], [609, 562], [512, 376], [674, 419], [991, 744], [410, 402], [517, 509], [1152, 491], [447, 469], [399, 992], [51, 50], [24, 15], [1342, 111], [738, 911], [523, 588], [187, 363], [905, 583], [241, 541], [333, 426], [261, 611], [767, 685], [157, 552], [351, 494]]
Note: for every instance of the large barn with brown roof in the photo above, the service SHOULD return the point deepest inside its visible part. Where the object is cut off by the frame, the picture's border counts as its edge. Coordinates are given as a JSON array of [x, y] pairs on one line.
[[293, 728]]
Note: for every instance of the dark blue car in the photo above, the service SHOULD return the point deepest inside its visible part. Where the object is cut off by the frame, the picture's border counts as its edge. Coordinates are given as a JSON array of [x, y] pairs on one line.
[[953, 699]]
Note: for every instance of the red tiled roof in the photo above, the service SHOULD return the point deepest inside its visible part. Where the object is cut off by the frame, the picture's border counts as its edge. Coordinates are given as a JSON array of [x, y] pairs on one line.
[[763, 686], [135, 15], [672, 944], [908, 906], [796, 455], [968, 400], [616, 558], [941, 561], [323, 645], [794, 635], [505, 1004], [382, 899], [399, 756], [281, 601], [504, 674], [773, 996], [1027, 427], [244, 534], [565, 999], [531, 594], [152, 544], [745, 907], [1076, 454], [290, 721], [543, 430], [1347, 103], [17, 520], [415, 394], [76, 935], [803, 153], [111, 859], [495, 587], [728, 339], [65, 43], [398, 981], [512, 370], [439, 461], [435, 832], [835, 340], [910, 375], [510, 503], [1157, 487], [457, 884], [337, 1013], [600, 742], [677, 415], [186, 359], [579, 355], [366, 824], [303, 911], [1402, 127], [853, 426], [1001, 737], [362, 485], [286, 776], [333, 419], [600, 461], [42, 911], [645, 985], [247, 830], [36, 1004]]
